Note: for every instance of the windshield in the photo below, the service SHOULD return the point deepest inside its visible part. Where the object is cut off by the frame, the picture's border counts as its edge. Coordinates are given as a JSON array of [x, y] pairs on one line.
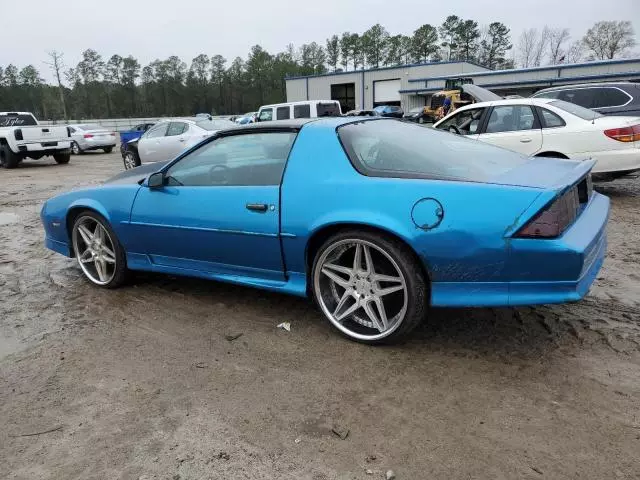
[[576, 110], [17, 120], [215, 124], [390, 148]]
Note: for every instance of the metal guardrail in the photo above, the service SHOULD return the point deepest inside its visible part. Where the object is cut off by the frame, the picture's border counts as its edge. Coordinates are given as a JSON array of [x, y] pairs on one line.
[[116, 124]]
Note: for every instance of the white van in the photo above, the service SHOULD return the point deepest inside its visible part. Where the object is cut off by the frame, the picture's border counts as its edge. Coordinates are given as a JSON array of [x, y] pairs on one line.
[[308, 109]]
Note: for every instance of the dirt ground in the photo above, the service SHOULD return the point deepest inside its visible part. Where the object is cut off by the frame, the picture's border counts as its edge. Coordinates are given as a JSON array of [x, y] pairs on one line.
[[143, 383]]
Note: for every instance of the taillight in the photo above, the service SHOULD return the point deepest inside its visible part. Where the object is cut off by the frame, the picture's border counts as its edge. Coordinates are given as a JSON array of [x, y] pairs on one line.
[[88, 135], [18, 134], [113, 134], [624, 134], [554, 219]]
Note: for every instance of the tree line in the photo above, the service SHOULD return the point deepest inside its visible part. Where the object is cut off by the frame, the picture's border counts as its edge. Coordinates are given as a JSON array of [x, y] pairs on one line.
[[121, 87]]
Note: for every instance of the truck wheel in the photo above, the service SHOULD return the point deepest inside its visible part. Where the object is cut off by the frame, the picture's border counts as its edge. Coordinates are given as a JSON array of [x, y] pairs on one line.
[[62, 158], [108, 150], [8, 159]]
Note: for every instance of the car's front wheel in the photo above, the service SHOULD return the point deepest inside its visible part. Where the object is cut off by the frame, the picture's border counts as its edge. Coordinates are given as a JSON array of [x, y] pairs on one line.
[[130, 160], [369, 286], [98, 251]]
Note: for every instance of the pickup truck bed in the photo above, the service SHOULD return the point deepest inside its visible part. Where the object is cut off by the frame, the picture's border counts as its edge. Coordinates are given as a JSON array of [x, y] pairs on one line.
[[21, 137]]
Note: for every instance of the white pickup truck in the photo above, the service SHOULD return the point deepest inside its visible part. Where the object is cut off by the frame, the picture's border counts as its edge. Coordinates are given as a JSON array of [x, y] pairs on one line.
[[21, 137]]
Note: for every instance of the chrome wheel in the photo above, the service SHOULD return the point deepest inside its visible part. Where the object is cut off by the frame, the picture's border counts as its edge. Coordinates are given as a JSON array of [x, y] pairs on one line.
[[94, 250], [129, 161], [361, 289], [75, 149]]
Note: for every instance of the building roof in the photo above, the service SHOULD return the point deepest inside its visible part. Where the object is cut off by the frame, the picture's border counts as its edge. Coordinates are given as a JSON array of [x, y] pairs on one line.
[[411, 65]]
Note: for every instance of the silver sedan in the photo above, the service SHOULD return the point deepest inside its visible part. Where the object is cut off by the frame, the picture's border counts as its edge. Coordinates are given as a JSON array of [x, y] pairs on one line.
[[88, 136]]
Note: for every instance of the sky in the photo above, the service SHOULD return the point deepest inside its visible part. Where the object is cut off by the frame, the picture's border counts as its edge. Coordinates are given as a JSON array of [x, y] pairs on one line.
[[150, 29]]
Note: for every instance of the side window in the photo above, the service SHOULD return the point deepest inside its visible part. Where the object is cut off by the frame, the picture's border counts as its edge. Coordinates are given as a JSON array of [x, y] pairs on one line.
[[466, 122], [302, 111], [550, 119], [552, 94], [266, 115], [238, 160], [72, 130], [511, 118], [157, 131], [610, 97], [282, 113], [580, 96], [176, 128]]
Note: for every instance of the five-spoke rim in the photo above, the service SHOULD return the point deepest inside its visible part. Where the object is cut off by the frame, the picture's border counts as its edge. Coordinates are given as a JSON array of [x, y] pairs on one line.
[[129, 161], [361, 289], [94, 250]]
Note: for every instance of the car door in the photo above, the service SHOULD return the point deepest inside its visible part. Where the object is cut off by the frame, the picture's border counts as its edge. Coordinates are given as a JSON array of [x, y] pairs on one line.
[[174, 141], [514, 127], [149, 143], [218, 211], [465, 122]]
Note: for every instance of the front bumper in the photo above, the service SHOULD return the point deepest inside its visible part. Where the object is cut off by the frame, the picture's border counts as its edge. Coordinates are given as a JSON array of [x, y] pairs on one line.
[[544, 271]]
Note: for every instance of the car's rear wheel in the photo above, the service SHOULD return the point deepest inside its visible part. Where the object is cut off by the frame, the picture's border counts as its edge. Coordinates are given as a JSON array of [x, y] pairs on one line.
[[108, 149], [369, 286], [62, 158], [75, 148], [8, 159], [131, 160], [98, 251]]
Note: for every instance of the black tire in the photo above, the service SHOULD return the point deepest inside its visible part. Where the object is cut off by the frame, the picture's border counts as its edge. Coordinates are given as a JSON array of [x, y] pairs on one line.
[[130, 160], [62, 158], [75, 148], [8, 159], [108, 150], [121, 272], [421, 120], [408, 263]]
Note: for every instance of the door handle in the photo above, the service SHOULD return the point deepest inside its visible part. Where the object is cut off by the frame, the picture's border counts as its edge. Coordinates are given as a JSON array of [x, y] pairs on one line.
[[257, 207], [525, 140]]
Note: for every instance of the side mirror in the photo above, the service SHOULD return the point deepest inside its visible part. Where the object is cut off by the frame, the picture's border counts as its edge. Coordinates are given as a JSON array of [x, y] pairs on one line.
[[156, 180]]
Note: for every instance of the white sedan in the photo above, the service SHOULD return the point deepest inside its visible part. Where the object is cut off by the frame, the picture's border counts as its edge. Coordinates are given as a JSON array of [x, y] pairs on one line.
[[552, 128], [166, 139]]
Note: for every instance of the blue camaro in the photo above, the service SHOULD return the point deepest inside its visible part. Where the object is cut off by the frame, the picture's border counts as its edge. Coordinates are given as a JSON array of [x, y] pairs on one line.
[[375, 219]]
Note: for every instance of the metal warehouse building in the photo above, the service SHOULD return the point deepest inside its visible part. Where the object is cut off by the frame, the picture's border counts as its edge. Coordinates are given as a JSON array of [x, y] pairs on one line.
[[412, 85]]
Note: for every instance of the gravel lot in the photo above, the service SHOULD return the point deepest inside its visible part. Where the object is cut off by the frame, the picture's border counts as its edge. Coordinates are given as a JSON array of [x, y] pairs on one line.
[[145, 383]]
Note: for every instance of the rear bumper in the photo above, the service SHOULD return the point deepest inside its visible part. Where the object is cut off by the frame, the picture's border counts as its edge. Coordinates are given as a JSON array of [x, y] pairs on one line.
[[45, 146], [623, 160], [545, 271], [97, 144]]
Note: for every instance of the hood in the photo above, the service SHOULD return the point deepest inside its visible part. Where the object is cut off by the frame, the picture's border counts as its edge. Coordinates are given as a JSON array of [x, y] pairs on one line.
[[480, 94], [135, 175]]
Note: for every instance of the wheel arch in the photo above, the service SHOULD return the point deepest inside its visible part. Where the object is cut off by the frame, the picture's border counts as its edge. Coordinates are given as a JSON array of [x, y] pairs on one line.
[[321, 234], [80, 206], [551, 154]]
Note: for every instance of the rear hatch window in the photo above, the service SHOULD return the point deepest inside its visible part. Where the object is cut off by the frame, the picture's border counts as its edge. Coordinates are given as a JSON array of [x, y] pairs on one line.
[[328, 110], [17, 120], [390, 148]]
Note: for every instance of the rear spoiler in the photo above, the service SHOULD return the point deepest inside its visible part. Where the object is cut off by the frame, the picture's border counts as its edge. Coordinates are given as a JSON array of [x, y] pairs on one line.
[[582, 169]]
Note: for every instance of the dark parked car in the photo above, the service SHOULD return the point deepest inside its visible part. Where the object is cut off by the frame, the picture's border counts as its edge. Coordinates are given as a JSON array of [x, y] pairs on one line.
[[389, 111], [612, 98], [417, 115]]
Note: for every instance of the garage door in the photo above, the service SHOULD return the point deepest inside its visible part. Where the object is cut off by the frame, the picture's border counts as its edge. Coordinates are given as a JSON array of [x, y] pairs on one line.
[[386, 92]]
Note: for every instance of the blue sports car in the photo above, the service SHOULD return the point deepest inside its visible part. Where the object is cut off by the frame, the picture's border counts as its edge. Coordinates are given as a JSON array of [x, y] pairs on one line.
[[376, 219]]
